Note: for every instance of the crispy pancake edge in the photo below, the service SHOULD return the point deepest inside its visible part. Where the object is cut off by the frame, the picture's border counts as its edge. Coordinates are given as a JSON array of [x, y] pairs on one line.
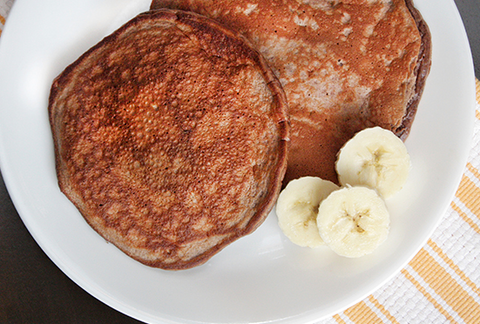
[[421, 70]]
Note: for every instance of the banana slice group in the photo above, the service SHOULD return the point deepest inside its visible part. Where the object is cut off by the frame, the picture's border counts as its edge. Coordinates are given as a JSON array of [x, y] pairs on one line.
[[297, 209], [375, 158], [353, 221]]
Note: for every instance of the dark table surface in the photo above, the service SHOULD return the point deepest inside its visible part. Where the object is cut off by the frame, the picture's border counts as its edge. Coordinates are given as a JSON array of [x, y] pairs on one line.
[[34, 290]]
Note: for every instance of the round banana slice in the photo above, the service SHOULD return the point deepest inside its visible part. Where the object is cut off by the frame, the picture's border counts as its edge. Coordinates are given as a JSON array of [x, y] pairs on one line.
[[353, 221], [297, 208], [375, 158]]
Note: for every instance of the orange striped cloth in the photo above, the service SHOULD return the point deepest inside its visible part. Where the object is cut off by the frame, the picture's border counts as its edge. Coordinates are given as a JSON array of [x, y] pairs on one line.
[[442, 283], [5, 6]]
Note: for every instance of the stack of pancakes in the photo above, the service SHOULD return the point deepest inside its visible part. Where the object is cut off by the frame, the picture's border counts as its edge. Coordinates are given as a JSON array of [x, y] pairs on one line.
[[171, 134]]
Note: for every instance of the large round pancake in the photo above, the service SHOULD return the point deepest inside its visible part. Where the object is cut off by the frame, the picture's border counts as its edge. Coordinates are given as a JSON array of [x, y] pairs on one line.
[[170, 137], [344, 65]]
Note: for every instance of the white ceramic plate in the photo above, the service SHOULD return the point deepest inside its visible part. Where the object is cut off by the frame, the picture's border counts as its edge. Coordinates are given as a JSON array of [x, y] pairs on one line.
[[262, 277]]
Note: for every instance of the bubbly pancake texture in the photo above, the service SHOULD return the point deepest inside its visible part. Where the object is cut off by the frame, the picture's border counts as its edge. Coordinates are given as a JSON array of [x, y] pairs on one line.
[[170, 137], [344, 65]]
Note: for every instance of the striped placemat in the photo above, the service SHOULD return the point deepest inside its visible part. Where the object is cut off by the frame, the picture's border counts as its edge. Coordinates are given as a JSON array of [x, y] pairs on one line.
[[441, 284], [5, 6]]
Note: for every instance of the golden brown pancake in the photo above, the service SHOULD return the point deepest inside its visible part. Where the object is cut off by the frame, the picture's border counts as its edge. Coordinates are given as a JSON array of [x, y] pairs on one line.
[[170, 137], [344, 65]]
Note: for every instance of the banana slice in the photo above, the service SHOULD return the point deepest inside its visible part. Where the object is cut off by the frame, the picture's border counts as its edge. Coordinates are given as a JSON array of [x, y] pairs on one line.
[[375, 158], [353, 221], [297, 208]]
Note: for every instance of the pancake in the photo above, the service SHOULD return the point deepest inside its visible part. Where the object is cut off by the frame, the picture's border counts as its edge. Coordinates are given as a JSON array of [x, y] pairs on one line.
[[170, 138], [344, 65]]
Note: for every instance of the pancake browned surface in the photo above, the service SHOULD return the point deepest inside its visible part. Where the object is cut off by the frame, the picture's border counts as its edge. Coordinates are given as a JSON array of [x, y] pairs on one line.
[[344, 64], [170, 138]]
